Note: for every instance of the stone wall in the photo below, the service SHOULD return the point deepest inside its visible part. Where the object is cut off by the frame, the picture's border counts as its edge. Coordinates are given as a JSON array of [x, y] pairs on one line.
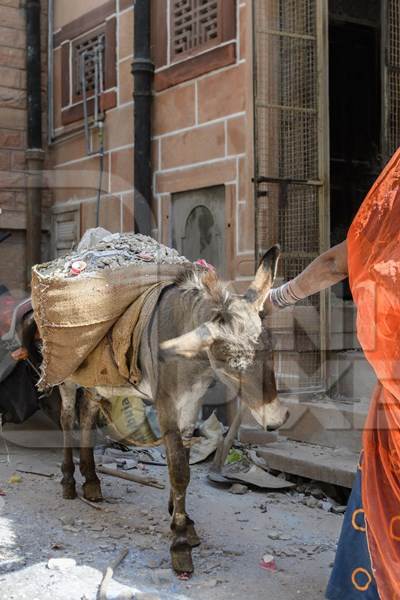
[[13, 125], [203, 135]]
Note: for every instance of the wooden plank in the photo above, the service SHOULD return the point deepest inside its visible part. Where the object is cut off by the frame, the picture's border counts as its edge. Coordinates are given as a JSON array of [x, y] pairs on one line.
[[159, 32], [75, 113], [110, 54], [65, 74], [201, 64], [124, 4], [230, 231], [228, 20], [90, 20]]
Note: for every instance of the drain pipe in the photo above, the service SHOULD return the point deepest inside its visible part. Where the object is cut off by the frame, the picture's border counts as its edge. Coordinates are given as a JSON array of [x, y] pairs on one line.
[[34, 152], [143, 73]]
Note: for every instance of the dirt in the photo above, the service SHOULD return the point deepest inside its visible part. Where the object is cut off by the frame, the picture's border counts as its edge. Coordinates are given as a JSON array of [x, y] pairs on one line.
[[37, 525]]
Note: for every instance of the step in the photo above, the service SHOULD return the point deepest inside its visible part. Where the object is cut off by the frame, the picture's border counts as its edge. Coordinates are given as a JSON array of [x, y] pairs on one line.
[[328, 422], [325, 422], [337, 467]]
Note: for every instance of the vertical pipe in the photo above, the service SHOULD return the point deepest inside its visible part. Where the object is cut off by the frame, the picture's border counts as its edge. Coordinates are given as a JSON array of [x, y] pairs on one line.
[[34, 153], [142, 71], [50, 64]]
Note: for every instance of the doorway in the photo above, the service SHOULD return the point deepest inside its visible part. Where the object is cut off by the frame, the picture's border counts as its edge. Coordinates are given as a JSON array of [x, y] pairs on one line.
[[354, 112]]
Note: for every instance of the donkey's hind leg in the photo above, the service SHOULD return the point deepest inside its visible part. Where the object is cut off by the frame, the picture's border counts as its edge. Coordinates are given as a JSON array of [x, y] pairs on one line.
[[67, 420], [89, 408]]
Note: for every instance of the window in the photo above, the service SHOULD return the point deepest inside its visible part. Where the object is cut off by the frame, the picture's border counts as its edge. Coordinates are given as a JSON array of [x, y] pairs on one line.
[[195, 25], [88, 42], [88, 52], [192, 37]]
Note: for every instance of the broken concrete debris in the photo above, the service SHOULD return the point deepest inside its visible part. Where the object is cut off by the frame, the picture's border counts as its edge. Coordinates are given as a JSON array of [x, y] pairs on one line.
[[112, 252], [61, 564], [238, 488], [268, 562]]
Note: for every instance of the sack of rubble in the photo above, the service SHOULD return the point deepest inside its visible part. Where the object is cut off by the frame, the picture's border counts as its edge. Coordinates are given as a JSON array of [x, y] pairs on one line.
[[111, 283]]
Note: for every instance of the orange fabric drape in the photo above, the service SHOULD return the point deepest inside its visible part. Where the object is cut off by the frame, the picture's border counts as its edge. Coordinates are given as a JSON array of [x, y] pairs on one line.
[[374, 271]]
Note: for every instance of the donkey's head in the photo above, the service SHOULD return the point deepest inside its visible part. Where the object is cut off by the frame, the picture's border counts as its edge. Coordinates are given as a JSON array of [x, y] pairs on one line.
[[239, 351]]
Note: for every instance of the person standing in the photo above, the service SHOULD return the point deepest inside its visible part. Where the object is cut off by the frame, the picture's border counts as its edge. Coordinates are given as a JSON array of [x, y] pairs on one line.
[[367, 563]]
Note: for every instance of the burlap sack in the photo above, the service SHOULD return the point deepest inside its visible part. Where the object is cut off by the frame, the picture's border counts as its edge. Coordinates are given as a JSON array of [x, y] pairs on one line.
[[74, 315]]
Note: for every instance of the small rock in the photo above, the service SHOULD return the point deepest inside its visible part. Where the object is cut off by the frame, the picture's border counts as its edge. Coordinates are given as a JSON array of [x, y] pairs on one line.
[[61, 564], [160, 576], [325, 505], [125, 595], [67, 520], [210, 583], [238, 488], [339, 510], [311, 502], [274, 535], [71, 529], [317, 493]]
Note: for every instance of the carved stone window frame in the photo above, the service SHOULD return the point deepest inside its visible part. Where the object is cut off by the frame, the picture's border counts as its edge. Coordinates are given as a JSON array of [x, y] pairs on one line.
[[215, 54], [103, 21]]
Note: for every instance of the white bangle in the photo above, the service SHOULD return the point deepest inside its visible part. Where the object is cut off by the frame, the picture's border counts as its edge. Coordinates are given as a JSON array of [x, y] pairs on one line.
[[283, 296]]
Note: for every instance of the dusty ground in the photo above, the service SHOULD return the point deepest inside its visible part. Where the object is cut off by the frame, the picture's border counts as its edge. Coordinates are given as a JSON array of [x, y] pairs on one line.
[[36, 524]]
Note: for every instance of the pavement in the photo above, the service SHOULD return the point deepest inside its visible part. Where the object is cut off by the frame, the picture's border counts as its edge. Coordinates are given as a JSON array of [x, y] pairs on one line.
[[237, 530]]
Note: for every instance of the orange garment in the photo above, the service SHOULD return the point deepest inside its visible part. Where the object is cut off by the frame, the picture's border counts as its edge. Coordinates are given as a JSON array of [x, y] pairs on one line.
[[374, 271]]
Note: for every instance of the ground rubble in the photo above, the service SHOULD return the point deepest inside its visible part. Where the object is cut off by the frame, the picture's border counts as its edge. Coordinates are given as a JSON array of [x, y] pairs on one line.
[[38, 528]]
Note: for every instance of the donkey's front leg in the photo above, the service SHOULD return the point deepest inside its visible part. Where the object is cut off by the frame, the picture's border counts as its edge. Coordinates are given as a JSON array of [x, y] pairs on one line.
[[67, 420], [193, 538], [88, 412], [179, 475]]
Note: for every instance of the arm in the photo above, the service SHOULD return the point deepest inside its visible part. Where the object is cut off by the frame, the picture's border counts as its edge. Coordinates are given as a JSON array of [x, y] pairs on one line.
[[323, 272]]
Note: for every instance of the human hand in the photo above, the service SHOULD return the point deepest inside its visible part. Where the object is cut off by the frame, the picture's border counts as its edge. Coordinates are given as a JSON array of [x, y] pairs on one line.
[[20, 354]]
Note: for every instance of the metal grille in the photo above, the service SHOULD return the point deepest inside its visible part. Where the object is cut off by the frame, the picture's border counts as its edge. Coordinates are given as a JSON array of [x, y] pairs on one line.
[[86, 49], [288, 163], [393, 77], [195, 24]]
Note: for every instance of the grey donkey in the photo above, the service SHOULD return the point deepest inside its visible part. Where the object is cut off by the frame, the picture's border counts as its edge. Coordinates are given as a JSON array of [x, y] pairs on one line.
[[198, 333]]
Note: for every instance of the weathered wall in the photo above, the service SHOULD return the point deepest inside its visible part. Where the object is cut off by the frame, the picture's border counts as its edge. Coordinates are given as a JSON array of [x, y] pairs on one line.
[[75, 175], [13, 125], [203, 136]]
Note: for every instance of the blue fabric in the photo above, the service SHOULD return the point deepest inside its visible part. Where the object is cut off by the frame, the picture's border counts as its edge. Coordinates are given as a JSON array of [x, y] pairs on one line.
[[352, 576]]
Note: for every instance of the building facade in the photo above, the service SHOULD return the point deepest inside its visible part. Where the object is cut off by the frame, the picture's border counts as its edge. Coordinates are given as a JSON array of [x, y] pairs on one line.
[[269, 122]]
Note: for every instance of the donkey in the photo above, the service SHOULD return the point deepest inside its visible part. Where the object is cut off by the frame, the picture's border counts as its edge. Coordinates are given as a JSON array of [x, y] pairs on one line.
[[198, 332]]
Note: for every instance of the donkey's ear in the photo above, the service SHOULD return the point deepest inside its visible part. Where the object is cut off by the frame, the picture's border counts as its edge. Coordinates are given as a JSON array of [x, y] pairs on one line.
[[190, 344], [265, 275]]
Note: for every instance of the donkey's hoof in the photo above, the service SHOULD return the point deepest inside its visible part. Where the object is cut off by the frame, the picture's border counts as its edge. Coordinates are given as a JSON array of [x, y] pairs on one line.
[[181, 557], [92, 491], [69, 490], [192, 537]]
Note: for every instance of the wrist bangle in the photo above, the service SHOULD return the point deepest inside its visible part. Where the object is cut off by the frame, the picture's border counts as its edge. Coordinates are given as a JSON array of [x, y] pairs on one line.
[[283, 296]]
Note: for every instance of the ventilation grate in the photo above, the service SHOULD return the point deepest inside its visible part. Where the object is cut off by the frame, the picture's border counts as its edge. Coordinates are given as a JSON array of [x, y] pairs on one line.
[[88, 48], [195, 25]]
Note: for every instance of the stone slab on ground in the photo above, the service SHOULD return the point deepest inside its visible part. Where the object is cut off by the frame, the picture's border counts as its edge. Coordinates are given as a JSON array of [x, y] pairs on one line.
[[335, 466]]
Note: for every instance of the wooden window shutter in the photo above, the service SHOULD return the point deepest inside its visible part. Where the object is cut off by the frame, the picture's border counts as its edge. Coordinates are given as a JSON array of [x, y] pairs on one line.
[[194, 26]]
